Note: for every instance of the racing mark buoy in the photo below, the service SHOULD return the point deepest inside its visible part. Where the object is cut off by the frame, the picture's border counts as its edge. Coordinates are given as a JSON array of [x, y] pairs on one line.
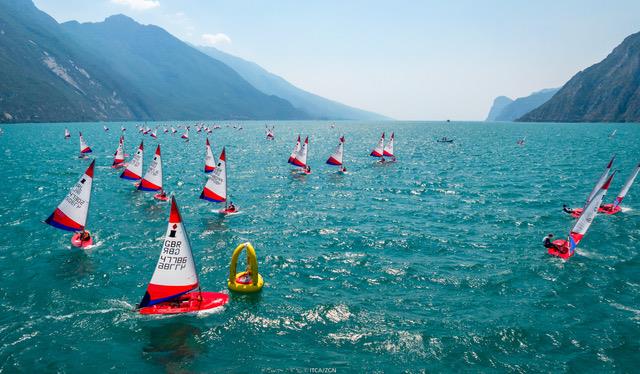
[[247, 281]]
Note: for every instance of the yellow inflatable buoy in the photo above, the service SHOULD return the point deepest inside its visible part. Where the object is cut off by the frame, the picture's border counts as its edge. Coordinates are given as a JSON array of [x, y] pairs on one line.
[[247, 281]]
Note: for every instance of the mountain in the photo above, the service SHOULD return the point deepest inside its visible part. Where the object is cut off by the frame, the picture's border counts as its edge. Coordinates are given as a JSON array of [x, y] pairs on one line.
[[45, 76], [499, 103], [523, 105], [115, 70], [608, 91], [171, 79], [316, 106]]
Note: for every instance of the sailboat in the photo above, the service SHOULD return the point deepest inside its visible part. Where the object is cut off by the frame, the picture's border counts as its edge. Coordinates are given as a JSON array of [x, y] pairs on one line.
[[154, 134], [300, 159], [296, 149], [215, 189], [185, 135], [209, 161], [614, 208], [379, 148], [174, 287], [118, 157], [336, 157], [603, 177], [71, 214], [388, 148], [521, 141], [152, 180], [67, 134], [173, 130], [270, 133], [84, 148], [105, 128], [582, 224], [133, 170], [613, 133], [123, 129]]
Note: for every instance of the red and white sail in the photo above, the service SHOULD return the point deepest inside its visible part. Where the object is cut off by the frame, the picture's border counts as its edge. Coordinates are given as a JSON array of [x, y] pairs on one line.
[[601, 180], [296, 149], [185, 134], [209, 161], [173, 130], [67, 134], [118, 157], [626, 187], [84, 148], [134, 167], [388, 148], [301, 157], [152, 180], [71, 214], [216, 187], [336, 157], [588, 214], [379, 149], [154, 134], [175, 273]]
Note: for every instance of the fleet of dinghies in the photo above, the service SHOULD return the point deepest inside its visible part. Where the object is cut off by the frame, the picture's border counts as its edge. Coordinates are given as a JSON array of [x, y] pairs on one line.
[[174, 286]]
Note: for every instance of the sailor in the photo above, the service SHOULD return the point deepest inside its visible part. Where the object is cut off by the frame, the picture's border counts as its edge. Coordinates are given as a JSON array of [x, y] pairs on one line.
[[547, 243], [566, 209]]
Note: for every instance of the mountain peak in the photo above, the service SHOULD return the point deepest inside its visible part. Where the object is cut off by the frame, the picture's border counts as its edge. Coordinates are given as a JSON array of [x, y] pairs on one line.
[[120, 19]]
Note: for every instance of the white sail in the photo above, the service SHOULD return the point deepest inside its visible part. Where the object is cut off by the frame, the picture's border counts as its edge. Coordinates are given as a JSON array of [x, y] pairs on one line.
[[175, 273], [301, 156], [379, 149], [134, 167], [209, 161], [336, 156], [601, 180], [295, 151], [152, 180], [118, 157], [588, 214], [216, 187], [84, 148], [388, 148], [627, 186], [71, 214]]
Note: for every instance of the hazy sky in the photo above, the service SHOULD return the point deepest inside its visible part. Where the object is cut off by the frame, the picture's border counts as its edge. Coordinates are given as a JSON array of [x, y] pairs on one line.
[[406, 59]]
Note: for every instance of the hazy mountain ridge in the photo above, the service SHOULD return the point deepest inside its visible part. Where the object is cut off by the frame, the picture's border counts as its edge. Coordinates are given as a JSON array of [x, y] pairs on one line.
[[515, 109], [608, 91], [269, 83]]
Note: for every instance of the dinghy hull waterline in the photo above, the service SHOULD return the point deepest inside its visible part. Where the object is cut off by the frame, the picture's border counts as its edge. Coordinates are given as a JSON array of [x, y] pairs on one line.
[[76, 242], [565, 254], [192, 302]]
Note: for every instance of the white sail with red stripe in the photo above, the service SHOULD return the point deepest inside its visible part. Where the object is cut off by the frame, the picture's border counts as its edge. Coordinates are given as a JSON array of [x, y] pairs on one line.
[[626, 187], [216, 187], [336, 157], [209, 161], [67, 134], [154, 133], [296, 149], [301, 157], [84, 148], [134, 167], [152, 180], [601, 180], [71, 214], [175, 273], [588, 214], [388, 148], [185, 134], [118, 157], [379, 149]]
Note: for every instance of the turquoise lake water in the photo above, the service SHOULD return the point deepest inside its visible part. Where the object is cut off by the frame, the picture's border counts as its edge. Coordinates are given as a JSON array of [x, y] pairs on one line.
[[434, 262]]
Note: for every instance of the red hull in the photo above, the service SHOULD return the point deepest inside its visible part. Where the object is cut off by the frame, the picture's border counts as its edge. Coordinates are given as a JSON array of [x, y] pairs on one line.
[[75, 241], [189, 303], [562, 244], [160, 197], [605, 209]]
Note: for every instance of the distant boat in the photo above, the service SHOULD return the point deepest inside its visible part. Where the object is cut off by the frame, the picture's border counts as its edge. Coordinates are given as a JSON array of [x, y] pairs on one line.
[[123, 129], [173, 130], [521, 141], [154, 134], [71, 214], [175, 278], [444, 139], [300, 159], [215, 190], [337, 155], [152, 180], [133, 171], [67, 134], [270, 133], [209, 161], [118, 157], [613, 133], [105, 128], [582, 224], [295, 151], [378, 151], [388, 148], [614, 208], [185, 135], [84, 148]]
